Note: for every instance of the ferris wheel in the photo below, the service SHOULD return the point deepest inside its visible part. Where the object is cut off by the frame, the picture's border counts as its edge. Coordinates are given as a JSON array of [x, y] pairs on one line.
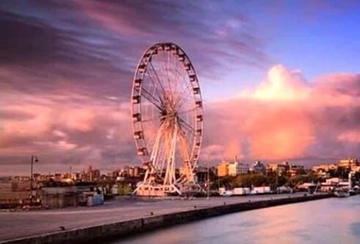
[[167, 115]]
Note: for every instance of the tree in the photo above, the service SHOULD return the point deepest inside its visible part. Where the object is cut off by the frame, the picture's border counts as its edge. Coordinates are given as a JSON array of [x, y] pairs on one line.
[[226, 181]]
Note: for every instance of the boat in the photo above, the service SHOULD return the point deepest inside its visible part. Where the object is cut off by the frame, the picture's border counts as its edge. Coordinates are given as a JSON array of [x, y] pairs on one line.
[[341, 192]]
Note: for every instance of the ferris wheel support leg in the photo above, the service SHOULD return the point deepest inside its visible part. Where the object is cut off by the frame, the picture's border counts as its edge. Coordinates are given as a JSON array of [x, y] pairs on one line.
[[189, 170], [176, 189], [136, 189], [154, 153], [170, 167], [175, 138]]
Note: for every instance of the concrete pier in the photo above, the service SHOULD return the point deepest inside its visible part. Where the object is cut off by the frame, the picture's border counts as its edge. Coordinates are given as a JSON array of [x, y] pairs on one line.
[[141, 216]]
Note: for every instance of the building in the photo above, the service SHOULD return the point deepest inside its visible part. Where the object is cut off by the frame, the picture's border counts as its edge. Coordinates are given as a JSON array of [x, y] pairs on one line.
[[258, 168], [59, 196], [57, 176], [96, 174], [12, 195], [243, 168], [348, 163], [115, 174], [295, 169], [280, 169], [131, 172], [237, 168], [64, 194], [222, 169], [201, 174], [137, 171], [233, 169], [324, 167]]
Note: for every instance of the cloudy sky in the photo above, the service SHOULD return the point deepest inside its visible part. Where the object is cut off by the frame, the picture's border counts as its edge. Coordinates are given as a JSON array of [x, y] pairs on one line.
[[280, 79]]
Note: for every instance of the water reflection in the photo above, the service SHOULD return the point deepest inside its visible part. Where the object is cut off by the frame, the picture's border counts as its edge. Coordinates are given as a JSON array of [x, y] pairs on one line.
[[329, 221]]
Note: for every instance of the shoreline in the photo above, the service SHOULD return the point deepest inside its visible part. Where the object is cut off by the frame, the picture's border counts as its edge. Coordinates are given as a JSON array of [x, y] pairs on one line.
[[124, 229]]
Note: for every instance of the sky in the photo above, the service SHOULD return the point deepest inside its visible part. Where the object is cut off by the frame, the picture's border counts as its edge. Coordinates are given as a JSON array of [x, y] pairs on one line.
[[280, 79]]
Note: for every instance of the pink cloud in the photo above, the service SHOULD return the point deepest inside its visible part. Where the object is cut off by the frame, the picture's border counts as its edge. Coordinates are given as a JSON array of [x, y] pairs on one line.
[[281, 84], [350, 136], [98, 11], [337, 90], [59, 128], [286, 116], [283, 117]]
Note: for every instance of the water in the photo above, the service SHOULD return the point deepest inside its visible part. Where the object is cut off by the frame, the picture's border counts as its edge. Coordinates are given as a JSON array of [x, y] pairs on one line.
[[330, 221]]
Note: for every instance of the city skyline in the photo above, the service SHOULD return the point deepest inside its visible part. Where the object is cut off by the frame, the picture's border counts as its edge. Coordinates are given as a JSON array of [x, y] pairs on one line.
[[280, 81]]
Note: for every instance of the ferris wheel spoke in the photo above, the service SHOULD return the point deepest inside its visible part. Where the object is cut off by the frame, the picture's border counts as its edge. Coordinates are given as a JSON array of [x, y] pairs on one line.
[[186, 111], [186, 89], [151, 98], [186, 126], [155, 85], [149, 120], [182, 101], [178, 77], [157, 78], [184, 95], [166, 61]]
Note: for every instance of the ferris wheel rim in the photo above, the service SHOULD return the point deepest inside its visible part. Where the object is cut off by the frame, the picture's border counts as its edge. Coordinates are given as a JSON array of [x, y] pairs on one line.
[[137, 90]]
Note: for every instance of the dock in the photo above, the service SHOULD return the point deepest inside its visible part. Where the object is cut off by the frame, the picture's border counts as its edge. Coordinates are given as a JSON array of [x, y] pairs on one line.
[[123, 217]]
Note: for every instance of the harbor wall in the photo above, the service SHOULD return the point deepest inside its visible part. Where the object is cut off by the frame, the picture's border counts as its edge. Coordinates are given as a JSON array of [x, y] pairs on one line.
[[117, 230]]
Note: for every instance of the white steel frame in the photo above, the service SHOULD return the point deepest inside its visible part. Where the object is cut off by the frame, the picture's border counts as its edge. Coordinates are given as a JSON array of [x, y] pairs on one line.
[[167, 114]]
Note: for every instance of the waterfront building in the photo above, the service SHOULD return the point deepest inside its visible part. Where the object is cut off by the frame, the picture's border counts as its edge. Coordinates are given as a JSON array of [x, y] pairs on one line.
[[242, 168], [201, 174], [285, 168], [65, 194], [355, 168], [137, 171], [57, 176], [348, 163], [21, 178], [115, 174], [14, 193], [222, 169], [280, 169], [124, 172], [258, 167], [295, 169], [131, 171], [96, 174], [324, 167], [272, 167], [233, 169]]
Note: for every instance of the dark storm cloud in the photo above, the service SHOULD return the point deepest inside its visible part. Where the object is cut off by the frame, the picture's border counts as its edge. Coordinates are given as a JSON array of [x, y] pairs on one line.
[[52, 49], [208, 32], [92, 47], [25, 40]]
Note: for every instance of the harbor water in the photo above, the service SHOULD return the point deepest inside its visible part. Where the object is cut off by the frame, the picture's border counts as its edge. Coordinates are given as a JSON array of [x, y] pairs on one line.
[[330, 221]]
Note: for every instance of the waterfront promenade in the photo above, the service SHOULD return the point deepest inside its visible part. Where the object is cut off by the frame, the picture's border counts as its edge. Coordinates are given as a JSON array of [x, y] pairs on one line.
[[29, 223], [329, 221]]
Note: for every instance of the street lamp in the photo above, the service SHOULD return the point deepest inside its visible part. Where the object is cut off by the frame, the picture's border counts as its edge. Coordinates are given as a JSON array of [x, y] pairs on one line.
[[208, 181], [33, 159]]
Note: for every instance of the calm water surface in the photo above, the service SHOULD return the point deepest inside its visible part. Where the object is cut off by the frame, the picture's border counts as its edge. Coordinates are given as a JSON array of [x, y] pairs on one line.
[[335, 220]]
